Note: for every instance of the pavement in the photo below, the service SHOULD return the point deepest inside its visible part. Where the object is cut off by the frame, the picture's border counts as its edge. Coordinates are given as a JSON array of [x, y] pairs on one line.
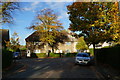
[[11, 70], [108, 72]]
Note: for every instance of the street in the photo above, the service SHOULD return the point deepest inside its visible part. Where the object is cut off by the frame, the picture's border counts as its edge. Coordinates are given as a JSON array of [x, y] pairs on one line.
[[54, 68]]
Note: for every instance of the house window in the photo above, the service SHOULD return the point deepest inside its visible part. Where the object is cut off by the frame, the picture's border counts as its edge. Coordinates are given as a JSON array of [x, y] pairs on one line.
[[68, 43], [37, 43], [37, 51]]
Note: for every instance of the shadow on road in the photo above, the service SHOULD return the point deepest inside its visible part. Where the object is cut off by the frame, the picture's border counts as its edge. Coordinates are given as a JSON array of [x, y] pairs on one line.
[[55, 68]]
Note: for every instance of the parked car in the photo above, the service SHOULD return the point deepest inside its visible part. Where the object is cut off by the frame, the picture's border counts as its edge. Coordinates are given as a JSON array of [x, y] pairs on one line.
[[16, 55], [82, 58]]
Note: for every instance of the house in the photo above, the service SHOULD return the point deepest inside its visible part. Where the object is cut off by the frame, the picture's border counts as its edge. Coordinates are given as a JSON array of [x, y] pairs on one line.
[[4, 33], [34, 45], [101, 45]]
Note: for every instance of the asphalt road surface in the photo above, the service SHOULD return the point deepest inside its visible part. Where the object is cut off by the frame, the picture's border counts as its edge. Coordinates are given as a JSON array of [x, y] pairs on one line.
[[54, 68]]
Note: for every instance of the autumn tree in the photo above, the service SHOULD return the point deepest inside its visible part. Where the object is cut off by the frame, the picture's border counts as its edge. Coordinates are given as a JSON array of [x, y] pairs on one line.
[[6, 11], [60, 38], [48, 27], [81, 45], [14, 44], [95, 20]]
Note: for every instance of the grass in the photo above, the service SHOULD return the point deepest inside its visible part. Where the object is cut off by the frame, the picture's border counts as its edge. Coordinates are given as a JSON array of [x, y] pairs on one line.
[[54, 55], [43, 55]]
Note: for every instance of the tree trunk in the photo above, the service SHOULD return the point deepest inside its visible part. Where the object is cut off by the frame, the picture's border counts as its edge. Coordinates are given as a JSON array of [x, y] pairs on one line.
[[52, 50], [47, 49], [94, 53]]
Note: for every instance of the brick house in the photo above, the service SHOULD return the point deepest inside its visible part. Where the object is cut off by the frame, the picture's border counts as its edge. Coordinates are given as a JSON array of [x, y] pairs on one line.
[[34, 45]]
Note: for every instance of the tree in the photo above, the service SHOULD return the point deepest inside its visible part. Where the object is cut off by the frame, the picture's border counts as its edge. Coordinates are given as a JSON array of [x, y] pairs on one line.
[[22, 47], [47, 26], [81, 45], [60, 38], [13, 45], [6, 11], [95, 20]]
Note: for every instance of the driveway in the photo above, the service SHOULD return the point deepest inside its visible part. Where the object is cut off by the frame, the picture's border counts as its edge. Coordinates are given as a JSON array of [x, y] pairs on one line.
[[54, 68]]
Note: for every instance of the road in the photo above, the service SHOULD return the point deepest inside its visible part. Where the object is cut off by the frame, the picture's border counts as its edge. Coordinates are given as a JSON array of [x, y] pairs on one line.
[[54, 68]]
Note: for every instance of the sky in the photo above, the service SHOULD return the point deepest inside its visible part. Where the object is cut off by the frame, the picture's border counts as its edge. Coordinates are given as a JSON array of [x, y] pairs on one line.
[[23, 18]]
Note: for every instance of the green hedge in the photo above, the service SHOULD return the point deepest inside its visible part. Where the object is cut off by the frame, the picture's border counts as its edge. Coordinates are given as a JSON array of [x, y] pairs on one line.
[[7, 58], [109, 56]]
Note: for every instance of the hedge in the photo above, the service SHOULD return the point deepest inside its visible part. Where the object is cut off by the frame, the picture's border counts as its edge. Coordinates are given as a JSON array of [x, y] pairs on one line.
[[109, 56], [7, 58]]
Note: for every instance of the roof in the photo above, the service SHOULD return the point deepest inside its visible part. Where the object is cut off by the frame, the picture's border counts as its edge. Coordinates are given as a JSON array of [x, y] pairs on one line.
[[34, 37]]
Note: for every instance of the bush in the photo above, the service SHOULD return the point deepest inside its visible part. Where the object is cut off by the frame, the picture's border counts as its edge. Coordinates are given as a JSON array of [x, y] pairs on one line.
[[7, 58]]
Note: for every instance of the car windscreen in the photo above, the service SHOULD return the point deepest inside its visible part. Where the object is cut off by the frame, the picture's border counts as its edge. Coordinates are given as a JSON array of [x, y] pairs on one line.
[[82, 55]]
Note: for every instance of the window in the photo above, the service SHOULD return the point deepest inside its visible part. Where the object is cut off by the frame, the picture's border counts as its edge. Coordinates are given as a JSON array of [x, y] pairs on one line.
[[37, 43], [36, 51], [68, 43], [83, 55]]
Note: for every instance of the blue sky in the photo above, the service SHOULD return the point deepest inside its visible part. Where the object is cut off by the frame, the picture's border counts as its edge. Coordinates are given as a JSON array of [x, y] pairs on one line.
[[26, 15]]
